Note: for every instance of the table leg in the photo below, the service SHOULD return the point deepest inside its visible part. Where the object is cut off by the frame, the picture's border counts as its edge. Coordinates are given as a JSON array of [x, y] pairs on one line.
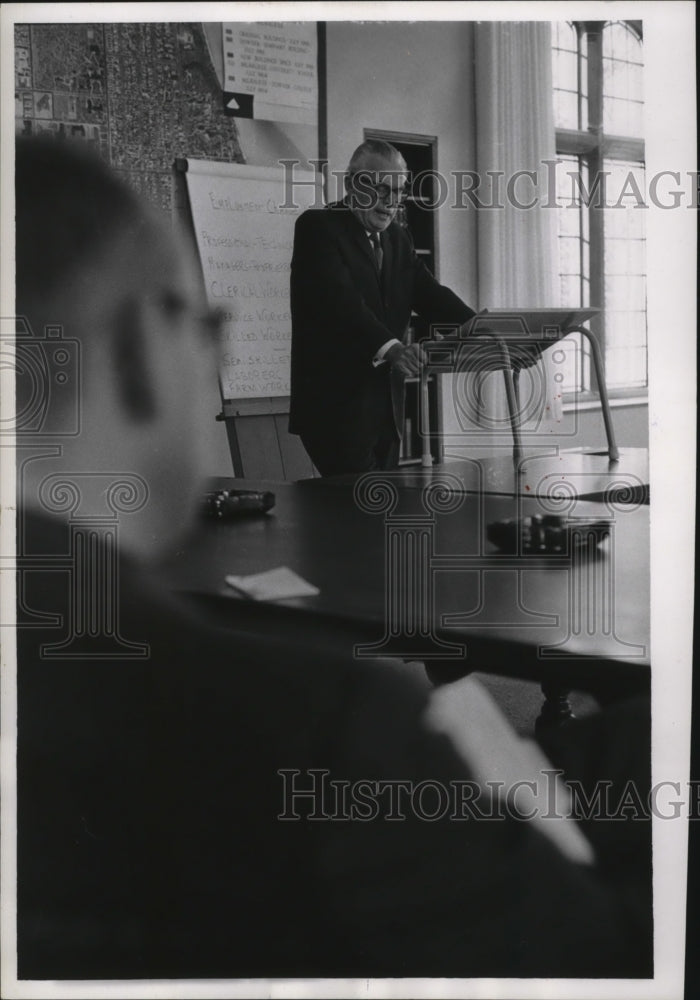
[[513, 411], [426, 459], [556, 709]]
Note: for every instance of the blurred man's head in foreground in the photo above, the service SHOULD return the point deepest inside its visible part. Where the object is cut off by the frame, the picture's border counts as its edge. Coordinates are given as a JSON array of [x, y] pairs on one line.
[[101, 271]]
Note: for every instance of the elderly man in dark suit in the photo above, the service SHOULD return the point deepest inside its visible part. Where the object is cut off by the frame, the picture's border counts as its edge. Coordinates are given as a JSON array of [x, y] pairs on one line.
[[355, 281]]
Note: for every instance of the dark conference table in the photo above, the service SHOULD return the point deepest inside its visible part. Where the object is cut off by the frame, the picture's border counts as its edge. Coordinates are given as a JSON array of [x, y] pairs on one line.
[[411, 573], [555, 473]]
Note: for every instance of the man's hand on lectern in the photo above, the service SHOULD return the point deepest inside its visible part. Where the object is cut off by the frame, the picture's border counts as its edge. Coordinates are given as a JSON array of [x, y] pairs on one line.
[[407, 360]]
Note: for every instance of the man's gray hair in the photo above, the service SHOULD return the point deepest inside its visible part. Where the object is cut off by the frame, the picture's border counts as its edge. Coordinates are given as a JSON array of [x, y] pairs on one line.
[[371, 149]]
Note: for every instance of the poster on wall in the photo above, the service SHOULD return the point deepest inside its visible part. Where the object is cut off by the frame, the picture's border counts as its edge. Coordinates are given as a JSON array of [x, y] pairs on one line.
[[271, 71]]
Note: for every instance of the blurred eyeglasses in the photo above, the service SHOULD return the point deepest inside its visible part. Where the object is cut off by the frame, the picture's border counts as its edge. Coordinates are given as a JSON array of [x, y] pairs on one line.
[[210, 322]]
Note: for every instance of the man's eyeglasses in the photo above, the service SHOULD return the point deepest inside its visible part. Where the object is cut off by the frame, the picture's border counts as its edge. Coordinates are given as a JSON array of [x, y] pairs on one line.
[[368, 189], [387, 193]]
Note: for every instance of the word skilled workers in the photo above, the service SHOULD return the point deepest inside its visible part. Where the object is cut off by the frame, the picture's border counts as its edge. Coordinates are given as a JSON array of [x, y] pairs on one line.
[[355, 279]]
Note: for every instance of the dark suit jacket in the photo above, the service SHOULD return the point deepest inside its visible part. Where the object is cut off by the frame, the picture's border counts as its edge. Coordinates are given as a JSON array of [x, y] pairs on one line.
[[342, 313], [149, 837]]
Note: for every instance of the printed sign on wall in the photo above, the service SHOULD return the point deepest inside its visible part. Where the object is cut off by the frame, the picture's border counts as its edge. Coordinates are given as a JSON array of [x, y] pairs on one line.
[[270, 71]]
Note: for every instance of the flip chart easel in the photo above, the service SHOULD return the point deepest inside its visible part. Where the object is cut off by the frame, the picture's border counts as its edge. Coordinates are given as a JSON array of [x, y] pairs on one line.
[[242, 219]]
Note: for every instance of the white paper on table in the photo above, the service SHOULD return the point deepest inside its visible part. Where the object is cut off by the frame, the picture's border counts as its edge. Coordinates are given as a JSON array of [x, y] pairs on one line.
[[272, 585]]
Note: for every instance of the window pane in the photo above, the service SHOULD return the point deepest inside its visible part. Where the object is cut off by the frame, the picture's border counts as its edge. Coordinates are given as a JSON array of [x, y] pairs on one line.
[[565, 109], [623, 98], [626, 368], [583, 56], [625, 256], [616, 204], [571, 223], [625, 277], [564, 35], [570, 285], [625, 292], [566, 60], [573, 265], [625, 194], [569, 255], [566, 69]]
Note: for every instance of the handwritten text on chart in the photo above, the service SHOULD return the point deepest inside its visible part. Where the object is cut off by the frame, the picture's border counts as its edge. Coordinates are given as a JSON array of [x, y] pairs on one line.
[[248, 272], [245, 242], [226, 204]]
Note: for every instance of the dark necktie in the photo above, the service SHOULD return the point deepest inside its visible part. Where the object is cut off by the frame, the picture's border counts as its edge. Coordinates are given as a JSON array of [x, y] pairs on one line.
[[377, 247]]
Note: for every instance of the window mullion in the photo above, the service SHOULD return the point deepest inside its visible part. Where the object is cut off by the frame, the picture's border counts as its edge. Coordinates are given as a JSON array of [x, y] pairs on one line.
[[617, 147], [594, 160], [575, 142]]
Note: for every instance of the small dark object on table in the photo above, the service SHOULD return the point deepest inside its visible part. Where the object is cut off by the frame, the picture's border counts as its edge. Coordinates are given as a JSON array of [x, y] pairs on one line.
[[236, 503], [547, 534]]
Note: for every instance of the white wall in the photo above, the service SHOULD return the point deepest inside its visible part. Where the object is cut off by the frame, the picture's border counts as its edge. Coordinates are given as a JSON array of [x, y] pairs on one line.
[[415, 78]]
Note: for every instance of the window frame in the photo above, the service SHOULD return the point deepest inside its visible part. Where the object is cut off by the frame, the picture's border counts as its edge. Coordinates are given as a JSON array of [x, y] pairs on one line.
[[593, 145]]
